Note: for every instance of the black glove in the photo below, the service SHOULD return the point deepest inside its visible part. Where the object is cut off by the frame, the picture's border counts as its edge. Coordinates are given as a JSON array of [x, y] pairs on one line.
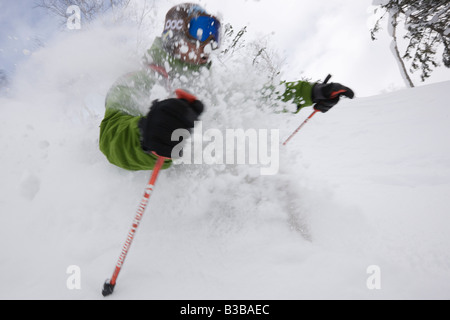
[[163, 119], [326, 95]]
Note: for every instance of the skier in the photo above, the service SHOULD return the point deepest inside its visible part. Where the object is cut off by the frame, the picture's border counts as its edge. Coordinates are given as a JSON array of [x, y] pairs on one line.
[[129, 139]]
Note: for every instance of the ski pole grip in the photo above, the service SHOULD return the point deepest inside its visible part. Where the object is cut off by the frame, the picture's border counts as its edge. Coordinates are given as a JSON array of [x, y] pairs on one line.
[[181, 94]]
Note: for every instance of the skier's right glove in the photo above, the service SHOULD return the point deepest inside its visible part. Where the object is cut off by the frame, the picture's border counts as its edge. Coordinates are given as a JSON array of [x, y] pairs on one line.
[[163, 119], [327, 95]]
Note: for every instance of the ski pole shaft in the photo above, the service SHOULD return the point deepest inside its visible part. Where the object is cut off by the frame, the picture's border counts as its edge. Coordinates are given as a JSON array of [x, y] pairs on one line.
[[300, 127], [109, 285]]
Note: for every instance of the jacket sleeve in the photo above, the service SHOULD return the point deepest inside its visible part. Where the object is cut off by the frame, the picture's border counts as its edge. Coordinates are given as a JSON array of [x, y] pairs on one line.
[[298, 92], [120, 136], [120, 142]]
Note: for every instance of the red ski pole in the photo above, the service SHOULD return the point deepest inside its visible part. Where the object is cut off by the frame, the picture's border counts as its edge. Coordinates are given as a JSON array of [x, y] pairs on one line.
[[301, 126], [108, 287], [309, 118]]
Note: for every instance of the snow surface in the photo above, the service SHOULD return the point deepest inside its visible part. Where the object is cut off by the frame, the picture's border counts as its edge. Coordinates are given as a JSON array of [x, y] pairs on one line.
[[366, 184]]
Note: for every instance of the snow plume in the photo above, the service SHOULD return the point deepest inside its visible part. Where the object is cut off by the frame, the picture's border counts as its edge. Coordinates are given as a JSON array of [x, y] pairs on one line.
[[365, 184]]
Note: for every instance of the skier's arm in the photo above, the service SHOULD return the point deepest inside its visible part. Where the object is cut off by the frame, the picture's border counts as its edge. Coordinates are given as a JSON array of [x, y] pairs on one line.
[[120, 136], [324, 95], [128, 141], [120, 141]]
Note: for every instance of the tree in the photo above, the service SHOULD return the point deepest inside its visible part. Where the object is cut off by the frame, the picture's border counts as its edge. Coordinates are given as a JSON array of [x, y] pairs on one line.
[[427, 25]]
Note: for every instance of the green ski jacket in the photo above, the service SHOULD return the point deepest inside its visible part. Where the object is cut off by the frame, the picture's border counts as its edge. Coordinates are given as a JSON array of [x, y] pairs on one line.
[[129, 99]]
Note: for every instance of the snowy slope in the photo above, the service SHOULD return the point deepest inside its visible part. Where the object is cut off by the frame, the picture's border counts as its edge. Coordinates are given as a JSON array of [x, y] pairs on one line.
[[365, 184]]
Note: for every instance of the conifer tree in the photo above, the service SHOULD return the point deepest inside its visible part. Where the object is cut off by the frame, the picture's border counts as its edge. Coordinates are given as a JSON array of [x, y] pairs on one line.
[[427, 25]]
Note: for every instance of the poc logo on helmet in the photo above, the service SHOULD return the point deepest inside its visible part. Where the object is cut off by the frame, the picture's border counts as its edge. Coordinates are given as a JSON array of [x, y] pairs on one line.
[[174, 25]]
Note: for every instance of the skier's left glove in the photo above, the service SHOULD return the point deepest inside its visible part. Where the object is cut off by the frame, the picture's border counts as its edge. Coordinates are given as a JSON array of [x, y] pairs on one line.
[[327, 95]]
